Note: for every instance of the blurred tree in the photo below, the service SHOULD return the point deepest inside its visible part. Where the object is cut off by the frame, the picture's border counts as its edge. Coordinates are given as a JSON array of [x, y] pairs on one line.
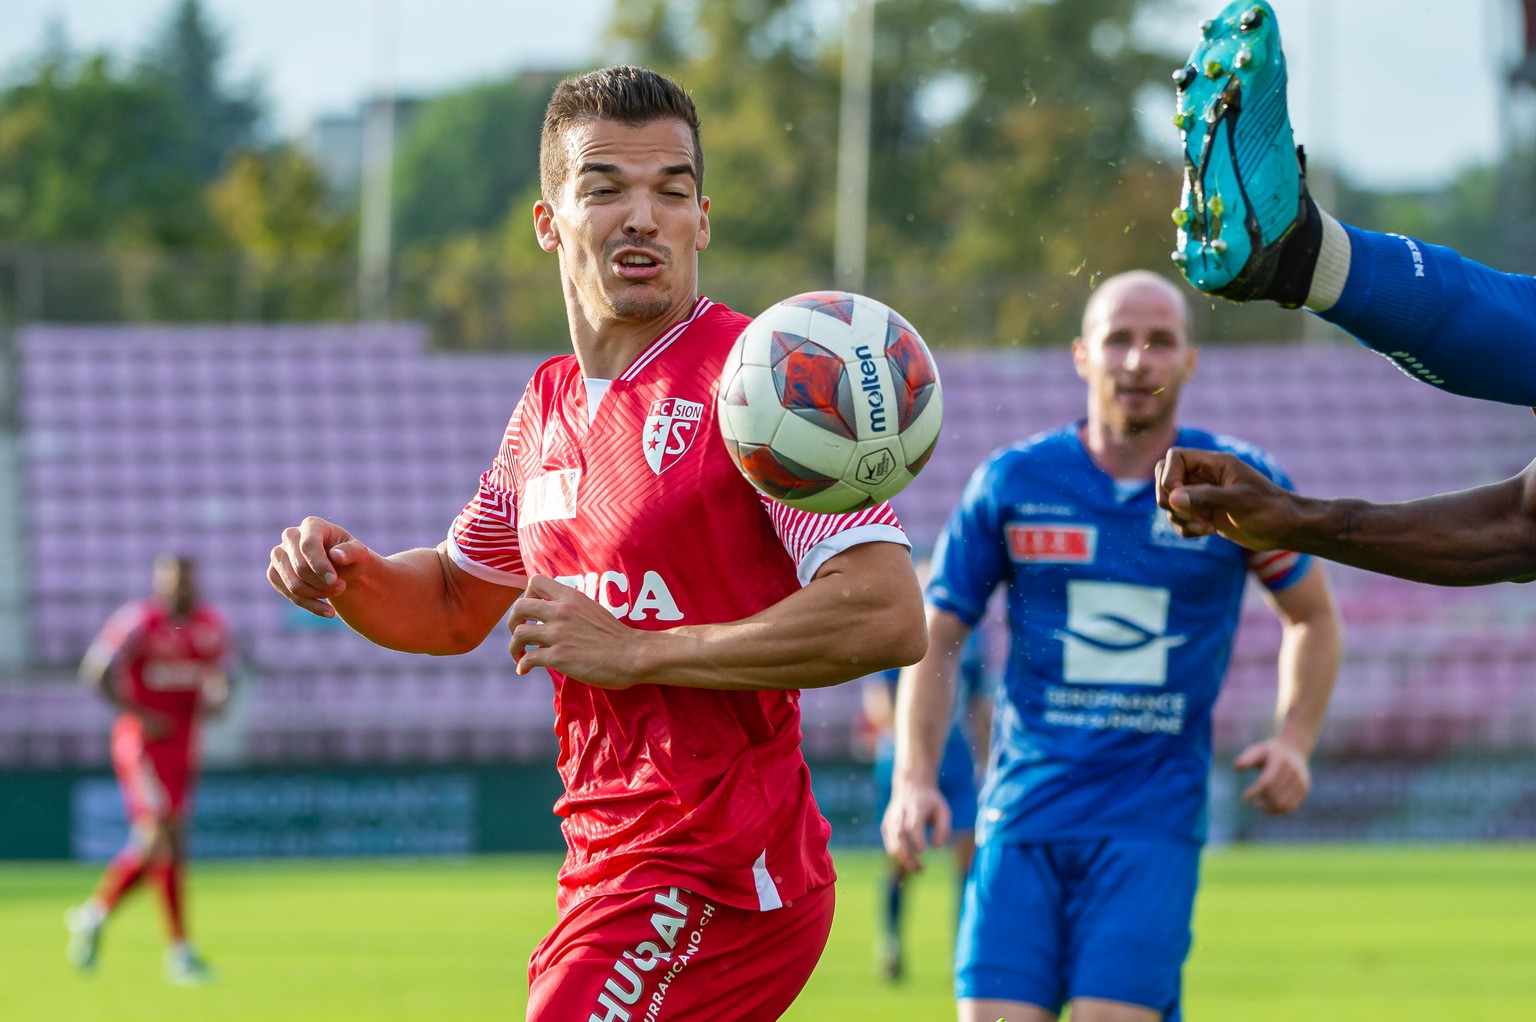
[[466, 156], [271, 206], [186, 60], [1007, 170], [94, 154], [87, 154], [766, 89], [1054, 185]]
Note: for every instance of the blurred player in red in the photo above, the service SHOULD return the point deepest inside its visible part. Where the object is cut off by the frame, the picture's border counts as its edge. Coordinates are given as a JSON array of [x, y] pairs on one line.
[[160, 662], [678, 611]]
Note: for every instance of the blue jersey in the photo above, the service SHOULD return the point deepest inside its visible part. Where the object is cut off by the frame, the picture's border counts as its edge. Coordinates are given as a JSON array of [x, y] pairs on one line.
[[1120, 632]]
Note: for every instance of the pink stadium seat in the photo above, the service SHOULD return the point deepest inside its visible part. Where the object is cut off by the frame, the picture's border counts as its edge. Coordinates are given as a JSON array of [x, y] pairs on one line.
[[142, 438]]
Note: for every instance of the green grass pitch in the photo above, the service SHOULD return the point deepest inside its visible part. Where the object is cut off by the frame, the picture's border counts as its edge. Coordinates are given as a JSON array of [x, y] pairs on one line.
[[1315, 933]]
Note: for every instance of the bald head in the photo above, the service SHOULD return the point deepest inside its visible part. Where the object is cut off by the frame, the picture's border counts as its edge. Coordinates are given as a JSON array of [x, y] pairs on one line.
[[1146, 285]]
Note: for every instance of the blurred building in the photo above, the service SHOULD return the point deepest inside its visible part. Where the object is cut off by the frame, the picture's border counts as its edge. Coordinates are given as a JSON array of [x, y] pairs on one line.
[[335, 143]]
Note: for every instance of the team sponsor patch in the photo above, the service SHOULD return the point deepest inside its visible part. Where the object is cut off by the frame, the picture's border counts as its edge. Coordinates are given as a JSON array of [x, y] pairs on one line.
[[642, 975], [669, 431], [1116, 633], [550, 497], [1052, 544]]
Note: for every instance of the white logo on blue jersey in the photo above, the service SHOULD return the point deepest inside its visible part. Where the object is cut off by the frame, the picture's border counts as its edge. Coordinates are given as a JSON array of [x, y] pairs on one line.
[[1115, 634]]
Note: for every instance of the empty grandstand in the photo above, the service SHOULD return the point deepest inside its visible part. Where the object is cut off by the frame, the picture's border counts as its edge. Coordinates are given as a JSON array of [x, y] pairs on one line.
[[210, 440]]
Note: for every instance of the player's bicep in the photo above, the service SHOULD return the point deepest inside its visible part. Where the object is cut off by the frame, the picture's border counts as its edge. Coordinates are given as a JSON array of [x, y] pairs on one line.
[[478, 604], [881, 569]]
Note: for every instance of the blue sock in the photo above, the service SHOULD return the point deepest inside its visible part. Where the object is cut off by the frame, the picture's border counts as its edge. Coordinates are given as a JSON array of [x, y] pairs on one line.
[[1441, 318]]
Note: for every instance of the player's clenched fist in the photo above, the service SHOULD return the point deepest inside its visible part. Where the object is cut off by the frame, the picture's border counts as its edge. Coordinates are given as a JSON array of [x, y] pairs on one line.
[[306, 567], [1207, 492]]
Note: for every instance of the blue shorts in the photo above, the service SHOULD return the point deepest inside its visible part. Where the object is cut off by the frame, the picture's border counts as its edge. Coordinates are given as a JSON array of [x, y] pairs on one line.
[[1107, 918], [957, 779]]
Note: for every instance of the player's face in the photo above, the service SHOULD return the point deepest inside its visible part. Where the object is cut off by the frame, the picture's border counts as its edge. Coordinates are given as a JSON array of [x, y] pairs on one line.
[[629, 222], [1135, 356], [175, 582]]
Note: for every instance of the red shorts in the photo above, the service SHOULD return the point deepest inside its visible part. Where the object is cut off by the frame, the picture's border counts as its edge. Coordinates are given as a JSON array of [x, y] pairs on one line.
[[155, 777], [668, 954]]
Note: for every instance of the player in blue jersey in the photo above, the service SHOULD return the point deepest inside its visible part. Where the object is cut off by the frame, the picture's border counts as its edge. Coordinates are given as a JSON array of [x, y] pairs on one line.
[[1092, 813], [965, 750], [1248, 229]]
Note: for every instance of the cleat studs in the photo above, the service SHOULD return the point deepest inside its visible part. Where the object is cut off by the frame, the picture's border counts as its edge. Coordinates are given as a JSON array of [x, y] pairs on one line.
[[1207, 27], [1184, 76], [1219, 247], [1179, 257], [1213, 69], [1216, 206], [1180, 217], [1181, 121], [1243, 58], [1251, 19]]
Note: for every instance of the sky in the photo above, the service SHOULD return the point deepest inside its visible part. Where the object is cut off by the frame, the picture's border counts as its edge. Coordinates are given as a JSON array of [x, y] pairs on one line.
[[1399, 93]]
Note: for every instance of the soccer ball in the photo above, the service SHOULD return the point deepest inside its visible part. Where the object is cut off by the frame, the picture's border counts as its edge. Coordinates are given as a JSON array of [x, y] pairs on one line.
[[829, 401]]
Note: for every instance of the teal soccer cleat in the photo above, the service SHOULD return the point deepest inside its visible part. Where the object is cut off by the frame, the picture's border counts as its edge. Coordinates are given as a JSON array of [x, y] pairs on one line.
[[1244, 190]]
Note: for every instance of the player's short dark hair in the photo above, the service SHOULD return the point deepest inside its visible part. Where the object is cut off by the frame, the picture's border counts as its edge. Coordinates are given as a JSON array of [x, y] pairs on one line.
[[630, 95]]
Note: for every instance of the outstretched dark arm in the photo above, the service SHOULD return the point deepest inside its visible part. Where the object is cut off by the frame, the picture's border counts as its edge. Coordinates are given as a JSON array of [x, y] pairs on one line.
[[1470, 537]]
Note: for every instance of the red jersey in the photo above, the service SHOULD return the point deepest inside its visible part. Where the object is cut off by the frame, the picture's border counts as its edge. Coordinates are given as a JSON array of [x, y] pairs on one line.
[[641, 508], [159, 660]]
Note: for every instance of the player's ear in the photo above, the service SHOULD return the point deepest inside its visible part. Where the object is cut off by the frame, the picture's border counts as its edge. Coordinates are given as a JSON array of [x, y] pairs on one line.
[[701, 239], [544, 226], [1080, 357]]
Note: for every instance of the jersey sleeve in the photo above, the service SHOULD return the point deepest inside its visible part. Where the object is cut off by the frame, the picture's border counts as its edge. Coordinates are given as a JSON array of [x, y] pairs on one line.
[[812, 539], [969, 559], [483, 539], [120, 637]]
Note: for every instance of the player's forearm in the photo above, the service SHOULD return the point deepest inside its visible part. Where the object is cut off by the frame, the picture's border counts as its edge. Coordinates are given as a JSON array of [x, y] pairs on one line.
[[845, 624], [1472, 537], [404, 602], [1310, 652]]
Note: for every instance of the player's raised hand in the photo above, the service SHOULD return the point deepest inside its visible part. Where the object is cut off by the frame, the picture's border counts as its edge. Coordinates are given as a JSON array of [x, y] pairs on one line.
[[557, 627], [310, 564], [1206, 492], [1284, 776], [914, 813]]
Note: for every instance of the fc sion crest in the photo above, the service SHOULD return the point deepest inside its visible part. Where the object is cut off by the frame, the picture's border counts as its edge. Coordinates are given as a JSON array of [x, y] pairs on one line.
[[669, 430]]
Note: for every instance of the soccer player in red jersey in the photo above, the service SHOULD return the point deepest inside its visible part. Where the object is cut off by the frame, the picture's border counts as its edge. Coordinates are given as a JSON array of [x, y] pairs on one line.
[[160, 662], [677, 610]]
